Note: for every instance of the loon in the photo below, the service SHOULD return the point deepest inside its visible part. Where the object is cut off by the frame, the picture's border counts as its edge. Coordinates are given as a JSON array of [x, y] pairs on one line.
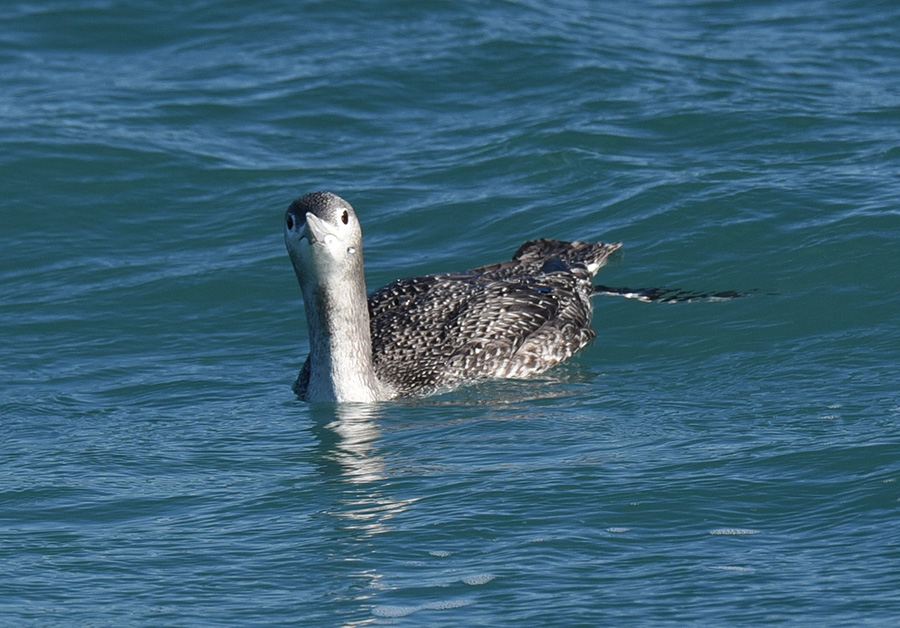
[[423, 335]]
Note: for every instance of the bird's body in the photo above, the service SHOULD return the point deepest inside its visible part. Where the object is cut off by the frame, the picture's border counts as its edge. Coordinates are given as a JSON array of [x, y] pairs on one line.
[[427, 334]]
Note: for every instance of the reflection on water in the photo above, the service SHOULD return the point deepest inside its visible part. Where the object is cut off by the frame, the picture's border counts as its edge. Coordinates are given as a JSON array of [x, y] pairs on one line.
[[349, 447], [349, 435], [352, 459]]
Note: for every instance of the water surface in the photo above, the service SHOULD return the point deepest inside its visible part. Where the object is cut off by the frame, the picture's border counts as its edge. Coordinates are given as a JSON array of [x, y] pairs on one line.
[[699, 464]]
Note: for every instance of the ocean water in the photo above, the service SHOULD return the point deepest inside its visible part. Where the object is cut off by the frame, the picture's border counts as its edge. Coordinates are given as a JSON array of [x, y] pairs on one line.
[[706, 463]]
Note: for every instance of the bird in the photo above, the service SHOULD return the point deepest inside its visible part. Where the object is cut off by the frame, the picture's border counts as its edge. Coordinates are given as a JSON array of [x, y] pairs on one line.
[[429, 334]]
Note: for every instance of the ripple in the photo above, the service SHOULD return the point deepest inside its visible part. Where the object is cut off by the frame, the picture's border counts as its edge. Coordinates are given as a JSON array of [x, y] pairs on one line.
[[733, 569], [478, 579], [401, 610], [733, 531]]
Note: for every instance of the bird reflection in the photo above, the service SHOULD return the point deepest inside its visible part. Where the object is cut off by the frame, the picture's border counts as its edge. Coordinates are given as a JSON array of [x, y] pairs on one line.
[[349, 445], [349, 434]]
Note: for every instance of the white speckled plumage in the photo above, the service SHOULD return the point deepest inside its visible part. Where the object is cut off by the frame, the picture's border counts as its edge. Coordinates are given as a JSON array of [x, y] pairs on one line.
[[427, 334]]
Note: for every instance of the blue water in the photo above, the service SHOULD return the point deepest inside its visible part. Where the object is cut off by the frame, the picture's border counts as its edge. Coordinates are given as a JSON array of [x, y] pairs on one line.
[[707, 463]]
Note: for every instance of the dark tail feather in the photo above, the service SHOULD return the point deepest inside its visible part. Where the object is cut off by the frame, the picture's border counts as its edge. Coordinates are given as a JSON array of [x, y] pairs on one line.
[[591, 254], [666, 295]]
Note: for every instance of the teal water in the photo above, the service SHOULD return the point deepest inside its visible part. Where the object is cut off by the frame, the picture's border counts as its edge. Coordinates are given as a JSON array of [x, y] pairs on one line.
[[732, 463]]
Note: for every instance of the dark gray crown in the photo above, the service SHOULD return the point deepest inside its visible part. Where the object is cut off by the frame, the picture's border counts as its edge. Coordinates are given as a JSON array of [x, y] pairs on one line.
[[325, 205]]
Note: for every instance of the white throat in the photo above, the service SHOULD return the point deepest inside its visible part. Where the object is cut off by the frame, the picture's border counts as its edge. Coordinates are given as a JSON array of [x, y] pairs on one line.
[[340, 345], [330, 271]]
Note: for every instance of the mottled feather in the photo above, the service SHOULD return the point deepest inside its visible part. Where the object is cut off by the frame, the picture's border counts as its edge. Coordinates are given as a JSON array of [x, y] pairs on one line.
[[511, 319]]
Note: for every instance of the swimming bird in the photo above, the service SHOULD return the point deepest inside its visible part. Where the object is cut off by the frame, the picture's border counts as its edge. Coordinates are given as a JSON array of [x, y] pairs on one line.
[[428, 334]]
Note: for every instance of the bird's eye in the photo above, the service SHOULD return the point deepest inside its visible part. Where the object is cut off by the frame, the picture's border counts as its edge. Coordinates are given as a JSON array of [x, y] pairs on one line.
[[290, 222], [345, 217]]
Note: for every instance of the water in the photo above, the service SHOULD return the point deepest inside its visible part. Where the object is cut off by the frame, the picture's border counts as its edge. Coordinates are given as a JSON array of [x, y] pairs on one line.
[[730, 463]]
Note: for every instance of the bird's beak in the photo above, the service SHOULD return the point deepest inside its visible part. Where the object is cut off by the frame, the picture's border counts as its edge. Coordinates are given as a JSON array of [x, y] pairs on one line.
[[317, 230]]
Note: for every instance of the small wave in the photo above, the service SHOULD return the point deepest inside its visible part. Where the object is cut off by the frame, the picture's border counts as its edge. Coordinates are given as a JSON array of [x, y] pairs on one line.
[[402, 610], [394, 611], [733, 569], [733, 531], [482, 578]]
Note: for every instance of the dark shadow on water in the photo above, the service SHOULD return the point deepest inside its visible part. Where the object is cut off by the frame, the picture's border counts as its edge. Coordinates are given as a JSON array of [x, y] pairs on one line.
[[668, 295]]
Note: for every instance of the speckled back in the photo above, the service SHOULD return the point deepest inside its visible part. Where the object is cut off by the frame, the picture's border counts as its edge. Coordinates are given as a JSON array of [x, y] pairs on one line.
[[511, 319]]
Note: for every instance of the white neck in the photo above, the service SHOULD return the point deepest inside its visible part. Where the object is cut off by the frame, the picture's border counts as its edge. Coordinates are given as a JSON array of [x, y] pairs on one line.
[[340, 352]]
